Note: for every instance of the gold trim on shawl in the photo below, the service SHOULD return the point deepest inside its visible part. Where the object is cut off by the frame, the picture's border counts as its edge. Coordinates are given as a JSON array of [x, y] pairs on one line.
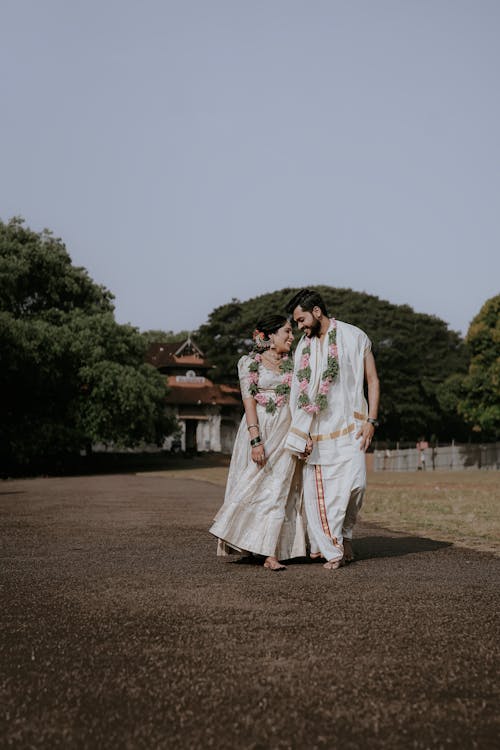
[[299, 433]]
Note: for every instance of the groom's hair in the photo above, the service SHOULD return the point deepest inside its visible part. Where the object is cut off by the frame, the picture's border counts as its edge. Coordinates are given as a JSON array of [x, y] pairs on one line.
[[307, 299]]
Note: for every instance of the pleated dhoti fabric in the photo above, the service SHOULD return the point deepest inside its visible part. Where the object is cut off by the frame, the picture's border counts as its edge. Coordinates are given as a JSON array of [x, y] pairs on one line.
[[333, 495]]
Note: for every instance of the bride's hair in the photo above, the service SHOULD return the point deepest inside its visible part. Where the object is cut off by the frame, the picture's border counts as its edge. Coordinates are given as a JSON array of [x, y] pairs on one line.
[[265, 327], [271, 324]]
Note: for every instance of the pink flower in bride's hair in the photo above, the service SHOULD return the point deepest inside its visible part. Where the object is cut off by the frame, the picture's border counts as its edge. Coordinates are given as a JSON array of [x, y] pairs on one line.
[[333, 350], [324, 387], [304, 362], [311, 408], [303, 385]]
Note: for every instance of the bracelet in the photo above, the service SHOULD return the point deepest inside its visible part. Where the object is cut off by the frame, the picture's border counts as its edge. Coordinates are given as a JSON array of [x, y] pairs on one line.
[[255, 441], [249, 426]]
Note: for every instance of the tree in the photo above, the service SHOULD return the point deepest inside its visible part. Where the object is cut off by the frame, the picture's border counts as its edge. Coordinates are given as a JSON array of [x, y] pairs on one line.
[[70, 375], [415, 353], [165, 337], [480, 404]]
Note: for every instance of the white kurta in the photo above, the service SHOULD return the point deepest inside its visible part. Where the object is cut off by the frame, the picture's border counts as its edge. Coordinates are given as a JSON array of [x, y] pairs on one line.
[[335, 473], [262, 507]]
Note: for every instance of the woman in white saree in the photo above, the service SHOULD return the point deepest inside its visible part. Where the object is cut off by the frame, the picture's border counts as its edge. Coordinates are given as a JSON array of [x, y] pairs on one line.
[[262, 511]]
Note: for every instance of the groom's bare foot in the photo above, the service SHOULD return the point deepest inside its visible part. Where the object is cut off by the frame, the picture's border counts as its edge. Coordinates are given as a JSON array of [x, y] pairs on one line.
[[315, 555], [333, 564], [272, 563], [348, 553]]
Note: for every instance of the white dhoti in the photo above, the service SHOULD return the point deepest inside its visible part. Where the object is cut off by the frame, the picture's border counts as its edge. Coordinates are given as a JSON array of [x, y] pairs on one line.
[[333, 495]]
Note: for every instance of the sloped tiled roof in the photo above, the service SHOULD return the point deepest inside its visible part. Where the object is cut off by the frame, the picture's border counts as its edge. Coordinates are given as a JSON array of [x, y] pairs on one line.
[[205, 394], [164, 355]]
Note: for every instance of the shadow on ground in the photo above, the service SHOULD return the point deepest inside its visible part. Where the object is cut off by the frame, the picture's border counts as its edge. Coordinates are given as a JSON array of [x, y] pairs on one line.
[[389, 546], [368, 547]]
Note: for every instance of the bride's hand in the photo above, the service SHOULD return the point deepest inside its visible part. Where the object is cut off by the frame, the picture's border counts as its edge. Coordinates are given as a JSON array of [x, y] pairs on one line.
[[258, 455]]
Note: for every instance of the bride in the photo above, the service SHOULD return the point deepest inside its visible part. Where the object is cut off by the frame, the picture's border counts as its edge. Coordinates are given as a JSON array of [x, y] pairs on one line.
[[261, 513]]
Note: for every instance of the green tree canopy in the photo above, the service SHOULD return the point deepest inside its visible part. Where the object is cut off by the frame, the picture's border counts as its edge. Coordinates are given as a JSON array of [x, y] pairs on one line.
[[415, 353], [165, 337], [480, 402], [70, 375]]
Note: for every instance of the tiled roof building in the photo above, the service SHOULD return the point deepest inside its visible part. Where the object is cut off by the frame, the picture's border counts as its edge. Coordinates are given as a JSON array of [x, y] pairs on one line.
[[208, 413]]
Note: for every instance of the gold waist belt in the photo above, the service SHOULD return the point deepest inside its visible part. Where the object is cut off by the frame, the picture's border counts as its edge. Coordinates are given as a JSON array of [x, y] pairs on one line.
[[339, 433]]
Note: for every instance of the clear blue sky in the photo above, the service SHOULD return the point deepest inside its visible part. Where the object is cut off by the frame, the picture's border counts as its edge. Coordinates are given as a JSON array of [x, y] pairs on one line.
[[191, 151]]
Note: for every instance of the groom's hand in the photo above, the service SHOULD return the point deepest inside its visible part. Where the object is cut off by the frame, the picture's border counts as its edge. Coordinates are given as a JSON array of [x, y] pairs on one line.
[[366, 433], [308, 450]]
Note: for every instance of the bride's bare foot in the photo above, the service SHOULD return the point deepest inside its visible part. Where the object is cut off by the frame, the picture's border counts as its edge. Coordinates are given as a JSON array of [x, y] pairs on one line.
[[348, 553], [333, 564], [272, 563]]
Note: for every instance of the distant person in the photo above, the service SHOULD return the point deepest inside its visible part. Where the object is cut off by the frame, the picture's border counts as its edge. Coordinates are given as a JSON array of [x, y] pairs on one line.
[[261, 513], [422, 446], [332, 423]]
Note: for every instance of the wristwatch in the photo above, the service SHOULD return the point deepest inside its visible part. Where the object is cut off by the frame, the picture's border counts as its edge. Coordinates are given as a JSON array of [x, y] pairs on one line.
[[372, 421]]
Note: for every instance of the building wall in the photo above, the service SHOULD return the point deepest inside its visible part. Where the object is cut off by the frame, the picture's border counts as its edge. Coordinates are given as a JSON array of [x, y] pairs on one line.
[[214, 432]]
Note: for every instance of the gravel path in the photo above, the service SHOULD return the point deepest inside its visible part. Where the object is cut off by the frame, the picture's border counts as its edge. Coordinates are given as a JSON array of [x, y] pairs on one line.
[[121, 629]]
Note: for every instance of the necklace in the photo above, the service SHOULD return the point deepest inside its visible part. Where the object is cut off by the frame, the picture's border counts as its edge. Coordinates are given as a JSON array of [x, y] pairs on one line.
[[273, 362], [328, 376], [282, 391]]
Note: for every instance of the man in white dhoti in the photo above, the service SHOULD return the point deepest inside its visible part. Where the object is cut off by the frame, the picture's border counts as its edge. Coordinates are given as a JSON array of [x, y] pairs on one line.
[[332, 423]]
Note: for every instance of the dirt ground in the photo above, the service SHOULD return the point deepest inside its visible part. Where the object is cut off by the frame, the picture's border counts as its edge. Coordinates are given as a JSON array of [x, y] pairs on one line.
[[121, 629]]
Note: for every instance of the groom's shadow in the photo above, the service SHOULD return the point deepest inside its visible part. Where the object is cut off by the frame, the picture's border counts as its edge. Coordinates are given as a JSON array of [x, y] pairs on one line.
[[395, 546]]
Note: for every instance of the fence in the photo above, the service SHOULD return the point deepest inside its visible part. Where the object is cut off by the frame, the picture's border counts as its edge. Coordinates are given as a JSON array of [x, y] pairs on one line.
[[457, 456]]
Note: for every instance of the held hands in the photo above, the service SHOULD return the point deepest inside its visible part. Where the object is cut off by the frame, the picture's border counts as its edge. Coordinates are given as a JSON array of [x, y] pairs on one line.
[[308, 450], [366, 433]]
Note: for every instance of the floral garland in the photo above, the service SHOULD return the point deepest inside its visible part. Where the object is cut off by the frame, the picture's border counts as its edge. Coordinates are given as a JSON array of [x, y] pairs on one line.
[[328, 376], [281, 392]]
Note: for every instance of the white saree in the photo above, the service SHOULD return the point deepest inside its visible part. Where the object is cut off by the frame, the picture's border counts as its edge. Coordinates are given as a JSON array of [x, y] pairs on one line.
[[335, 473], [262, 510]]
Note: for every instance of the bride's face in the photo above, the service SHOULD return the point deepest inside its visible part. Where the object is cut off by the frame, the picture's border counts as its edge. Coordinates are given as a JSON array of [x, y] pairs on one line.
[[283, 338]]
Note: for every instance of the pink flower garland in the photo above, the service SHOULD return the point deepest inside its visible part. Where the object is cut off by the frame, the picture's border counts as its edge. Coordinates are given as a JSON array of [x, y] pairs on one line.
[[282, 390], [328, 376]]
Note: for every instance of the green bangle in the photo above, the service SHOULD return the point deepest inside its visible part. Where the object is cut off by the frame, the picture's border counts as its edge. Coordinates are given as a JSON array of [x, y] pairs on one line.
[[255, 441]]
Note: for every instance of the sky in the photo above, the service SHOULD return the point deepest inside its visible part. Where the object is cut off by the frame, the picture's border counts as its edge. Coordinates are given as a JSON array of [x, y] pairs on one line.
[[193, 151]]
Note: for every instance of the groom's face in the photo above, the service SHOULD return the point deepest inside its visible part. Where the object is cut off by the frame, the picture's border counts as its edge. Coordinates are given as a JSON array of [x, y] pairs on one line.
[[308, 321]]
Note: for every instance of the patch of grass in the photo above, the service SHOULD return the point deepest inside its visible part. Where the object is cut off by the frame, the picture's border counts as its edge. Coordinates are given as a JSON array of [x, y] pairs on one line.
[[461, 507]]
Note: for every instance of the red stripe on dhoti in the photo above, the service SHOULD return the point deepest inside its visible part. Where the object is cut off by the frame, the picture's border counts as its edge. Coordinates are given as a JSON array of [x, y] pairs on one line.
[[320, 493]]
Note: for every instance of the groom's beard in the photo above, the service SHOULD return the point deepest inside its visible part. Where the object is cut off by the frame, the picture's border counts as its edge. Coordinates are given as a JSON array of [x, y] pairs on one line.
[[316, 329]]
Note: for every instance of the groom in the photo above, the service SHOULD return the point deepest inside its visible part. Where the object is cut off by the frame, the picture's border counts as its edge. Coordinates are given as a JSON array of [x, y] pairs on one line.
[[332, 424]]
